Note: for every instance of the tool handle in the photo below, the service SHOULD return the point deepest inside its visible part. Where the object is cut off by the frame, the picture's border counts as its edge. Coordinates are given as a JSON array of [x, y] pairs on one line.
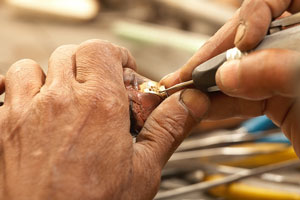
[[258, 125], [204, 74]]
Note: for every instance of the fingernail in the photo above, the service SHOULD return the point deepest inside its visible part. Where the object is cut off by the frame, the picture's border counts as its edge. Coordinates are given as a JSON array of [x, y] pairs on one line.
[[227, 76], [196, 102], [170, 79], [239, 33]]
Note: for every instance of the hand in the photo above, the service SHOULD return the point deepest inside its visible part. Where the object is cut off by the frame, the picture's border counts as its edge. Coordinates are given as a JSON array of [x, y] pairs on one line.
[[262, 82], [66, 136]]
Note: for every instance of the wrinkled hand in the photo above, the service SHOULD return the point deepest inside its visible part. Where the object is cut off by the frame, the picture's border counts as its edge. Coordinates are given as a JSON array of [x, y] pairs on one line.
[[66, 136], [262, 82]]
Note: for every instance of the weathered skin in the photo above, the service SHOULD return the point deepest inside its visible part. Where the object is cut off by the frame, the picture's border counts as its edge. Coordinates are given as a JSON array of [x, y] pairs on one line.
[[66, 135], [140, 104]]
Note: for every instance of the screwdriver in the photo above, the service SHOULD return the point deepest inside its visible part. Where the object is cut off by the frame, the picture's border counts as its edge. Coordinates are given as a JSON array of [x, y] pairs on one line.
[[203, 76]]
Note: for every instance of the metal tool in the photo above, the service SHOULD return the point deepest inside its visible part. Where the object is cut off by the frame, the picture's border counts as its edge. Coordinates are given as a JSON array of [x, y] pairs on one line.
[[272, 177], [228, 179], [226, 137], [226, 154], [203, 76], [256, 129]]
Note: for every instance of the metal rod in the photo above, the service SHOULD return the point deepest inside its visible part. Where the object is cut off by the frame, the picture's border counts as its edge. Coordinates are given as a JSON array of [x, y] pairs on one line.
[[228, 179], [179, 85]]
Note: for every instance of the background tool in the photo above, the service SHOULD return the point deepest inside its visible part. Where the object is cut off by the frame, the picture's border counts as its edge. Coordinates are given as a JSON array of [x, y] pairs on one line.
[[255, 188], [250, 156], [272, 177], [204, 75], [76, 10], [279, 185], [260, 187], [233, 156], [260, 129], [228, 179]]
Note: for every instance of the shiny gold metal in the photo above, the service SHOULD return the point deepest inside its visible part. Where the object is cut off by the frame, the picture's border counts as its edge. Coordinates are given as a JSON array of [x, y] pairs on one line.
[[153, 87]]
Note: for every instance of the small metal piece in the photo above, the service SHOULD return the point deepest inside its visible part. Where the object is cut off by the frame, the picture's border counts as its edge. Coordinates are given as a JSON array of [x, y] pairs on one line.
[[153, 88]]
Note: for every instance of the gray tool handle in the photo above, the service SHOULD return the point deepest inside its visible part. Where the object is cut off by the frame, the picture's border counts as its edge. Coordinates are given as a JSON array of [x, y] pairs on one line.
[[204, 74]]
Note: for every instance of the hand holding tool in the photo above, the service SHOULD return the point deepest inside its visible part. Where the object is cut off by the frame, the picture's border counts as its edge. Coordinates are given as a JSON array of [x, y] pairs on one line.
[[203, 76]]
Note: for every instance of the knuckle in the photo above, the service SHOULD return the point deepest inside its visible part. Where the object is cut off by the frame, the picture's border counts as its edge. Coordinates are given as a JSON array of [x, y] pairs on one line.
[[25, 70], [98, 47], [96, 44], [25, 61], [124, 52], [62, 51], [20, 66], [62, 48], [126, 57]]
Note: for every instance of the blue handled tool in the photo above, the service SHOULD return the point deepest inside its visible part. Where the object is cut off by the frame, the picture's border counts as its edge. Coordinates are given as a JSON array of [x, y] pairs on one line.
[[259, 124]]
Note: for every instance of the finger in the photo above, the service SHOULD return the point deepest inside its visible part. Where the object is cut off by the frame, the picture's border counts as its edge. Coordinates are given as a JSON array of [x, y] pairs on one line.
[[224, 107], [61, 67], [97, 58], [169, 124], [220, 42], [294, 6], [255, 17], [2, 84], [245, 30], [23, 81], [128, 60], [260, 75], [291, 127]]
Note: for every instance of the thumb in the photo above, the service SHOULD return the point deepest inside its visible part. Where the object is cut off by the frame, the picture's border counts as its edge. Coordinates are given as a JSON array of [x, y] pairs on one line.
[[169, 124]]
